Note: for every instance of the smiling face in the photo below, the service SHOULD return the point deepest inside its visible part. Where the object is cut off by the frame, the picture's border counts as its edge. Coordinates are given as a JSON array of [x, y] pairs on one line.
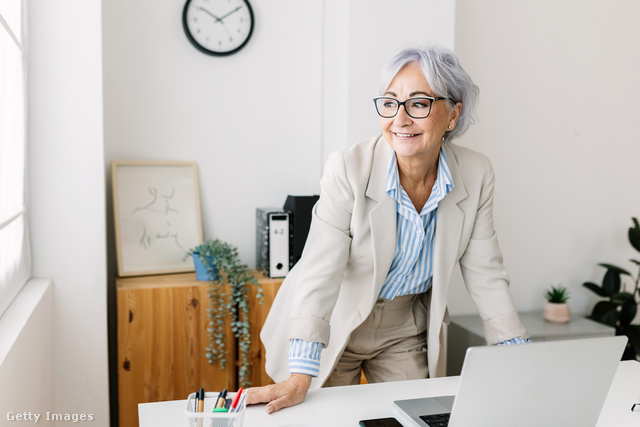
[[419, 139]]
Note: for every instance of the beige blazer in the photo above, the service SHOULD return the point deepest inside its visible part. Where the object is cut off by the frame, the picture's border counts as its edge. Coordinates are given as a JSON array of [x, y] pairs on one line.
[[352, 242]]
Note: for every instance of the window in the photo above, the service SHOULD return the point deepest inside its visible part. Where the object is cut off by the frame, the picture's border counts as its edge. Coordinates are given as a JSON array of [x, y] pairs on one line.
[[14, 245]]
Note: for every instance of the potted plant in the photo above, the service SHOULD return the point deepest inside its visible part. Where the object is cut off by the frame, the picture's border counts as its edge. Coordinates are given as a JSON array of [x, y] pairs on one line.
[[556, 309], [224, 268], [620, 305], [206, 269]]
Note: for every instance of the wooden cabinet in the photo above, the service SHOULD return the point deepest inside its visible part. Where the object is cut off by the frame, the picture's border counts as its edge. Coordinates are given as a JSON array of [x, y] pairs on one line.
[[257, 316], [162, 336]]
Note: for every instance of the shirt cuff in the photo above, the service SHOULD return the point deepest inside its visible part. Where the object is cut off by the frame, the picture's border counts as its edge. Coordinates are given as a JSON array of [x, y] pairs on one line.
[[304, 357], [515, 341]]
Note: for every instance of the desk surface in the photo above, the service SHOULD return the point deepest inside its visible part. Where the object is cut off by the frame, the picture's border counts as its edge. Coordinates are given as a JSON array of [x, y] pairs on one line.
[[345, 406]]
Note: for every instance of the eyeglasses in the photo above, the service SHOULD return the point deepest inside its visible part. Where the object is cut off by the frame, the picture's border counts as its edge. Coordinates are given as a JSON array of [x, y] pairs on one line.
[[417, 108]]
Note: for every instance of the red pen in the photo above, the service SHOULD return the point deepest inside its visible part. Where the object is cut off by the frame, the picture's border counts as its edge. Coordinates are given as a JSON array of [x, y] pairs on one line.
[[235, 400]]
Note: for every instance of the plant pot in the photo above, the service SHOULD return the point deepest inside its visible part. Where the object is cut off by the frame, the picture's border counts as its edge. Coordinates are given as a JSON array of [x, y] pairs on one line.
[[556, 312], [203, 273]]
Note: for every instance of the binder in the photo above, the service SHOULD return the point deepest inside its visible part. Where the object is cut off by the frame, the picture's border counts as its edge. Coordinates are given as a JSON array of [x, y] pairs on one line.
[[273, 241]]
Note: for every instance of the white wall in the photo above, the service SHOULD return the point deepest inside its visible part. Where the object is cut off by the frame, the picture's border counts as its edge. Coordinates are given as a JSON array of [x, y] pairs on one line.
[[67, 195], [259, 123], [558, 114], [243, 118]]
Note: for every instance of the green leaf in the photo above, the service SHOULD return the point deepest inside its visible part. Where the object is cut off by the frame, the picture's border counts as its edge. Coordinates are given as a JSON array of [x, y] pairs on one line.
[[628, 312], [633, 333], [595, 288], [611, 281], [557, 294], [623, 297], [602, 309], [634, 234], [615, 268], [611, 318]]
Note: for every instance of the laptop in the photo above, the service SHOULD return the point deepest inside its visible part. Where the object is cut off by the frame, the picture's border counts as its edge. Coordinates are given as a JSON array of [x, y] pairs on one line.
[[552, 383]]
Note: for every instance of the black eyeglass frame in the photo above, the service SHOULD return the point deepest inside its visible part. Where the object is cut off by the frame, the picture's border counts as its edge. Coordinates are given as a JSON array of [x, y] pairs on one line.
[[403, 103]]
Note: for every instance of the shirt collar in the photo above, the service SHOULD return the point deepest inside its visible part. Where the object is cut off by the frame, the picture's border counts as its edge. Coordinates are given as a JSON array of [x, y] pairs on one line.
[[442, 186]]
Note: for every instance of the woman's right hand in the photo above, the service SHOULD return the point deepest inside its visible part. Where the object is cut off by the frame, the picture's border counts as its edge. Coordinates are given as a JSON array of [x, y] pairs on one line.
[[287, 393]]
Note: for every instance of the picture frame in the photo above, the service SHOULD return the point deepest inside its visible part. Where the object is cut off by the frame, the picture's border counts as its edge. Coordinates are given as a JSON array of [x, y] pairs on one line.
[[156, 209]]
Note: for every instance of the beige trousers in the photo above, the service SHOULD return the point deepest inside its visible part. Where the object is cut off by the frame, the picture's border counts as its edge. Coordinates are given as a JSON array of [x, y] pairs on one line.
[[390, 345]]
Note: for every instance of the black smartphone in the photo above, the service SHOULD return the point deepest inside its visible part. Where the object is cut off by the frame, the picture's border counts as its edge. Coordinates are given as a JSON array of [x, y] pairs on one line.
[[380, 422]]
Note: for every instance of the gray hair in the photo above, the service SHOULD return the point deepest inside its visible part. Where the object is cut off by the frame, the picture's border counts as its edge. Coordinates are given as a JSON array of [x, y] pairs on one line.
[[446, 77]]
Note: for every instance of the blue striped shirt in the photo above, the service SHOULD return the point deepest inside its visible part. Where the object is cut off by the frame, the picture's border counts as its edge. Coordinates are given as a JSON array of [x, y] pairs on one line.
[[412, 265], [411, 270], [304, 357]]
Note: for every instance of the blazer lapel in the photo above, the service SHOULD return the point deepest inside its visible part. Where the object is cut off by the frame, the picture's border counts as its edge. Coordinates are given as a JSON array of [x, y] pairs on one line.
[[447, 239], [382, 218]]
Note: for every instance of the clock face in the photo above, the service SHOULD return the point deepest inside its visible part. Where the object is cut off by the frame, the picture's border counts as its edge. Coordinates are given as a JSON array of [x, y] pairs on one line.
[[218, 27]]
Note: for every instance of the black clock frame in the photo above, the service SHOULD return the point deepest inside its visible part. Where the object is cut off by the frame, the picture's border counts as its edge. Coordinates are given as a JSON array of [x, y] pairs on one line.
[[212, 52]]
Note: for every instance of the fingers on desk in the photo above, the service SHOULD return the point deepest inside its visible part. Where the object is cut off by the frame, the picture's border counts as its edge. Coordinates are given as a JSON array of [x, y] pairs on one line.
[[277, 396]]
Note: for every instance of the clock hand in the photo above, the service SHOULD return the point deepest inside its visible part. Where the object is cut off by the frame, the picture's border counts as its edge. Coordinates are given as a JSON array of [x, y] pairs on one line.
[[233, 11], [211, 14]]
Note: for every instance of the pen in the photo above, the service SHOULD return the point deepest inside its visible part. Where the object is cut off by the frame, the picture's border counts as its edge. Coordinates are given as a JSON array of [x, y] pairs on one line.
[[236, 399], [242, 399], [221, 399], [201, 400], [199, 405]]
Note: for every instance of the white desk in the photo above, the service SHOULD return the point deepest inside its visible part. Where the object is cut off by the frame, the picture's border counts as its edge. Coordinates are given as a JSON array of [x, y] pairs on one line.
[[345, 406]]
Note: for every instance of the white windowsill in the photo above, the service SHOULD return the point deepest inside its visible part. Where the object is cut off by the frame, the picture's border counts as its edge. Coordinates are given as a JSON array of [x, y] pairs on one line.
[[13, 321]]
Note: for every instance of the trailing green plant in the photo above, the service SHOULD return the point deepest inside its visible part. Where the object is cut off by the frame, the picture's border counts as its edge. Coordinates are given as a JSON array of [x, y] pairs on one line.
[[620, 306], [557, 294], [223, 264]]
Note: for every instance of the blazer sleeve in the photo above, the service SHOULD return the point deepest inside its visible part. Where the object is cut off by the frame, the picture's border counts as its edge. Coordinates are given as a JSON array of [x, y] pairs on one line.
[[325, 255], [484, 274]]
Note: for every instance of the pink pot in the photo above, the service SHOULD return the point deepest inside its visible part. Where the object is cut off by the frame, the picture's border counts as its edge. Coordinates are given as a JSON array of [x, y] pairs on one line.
[[556, 312]]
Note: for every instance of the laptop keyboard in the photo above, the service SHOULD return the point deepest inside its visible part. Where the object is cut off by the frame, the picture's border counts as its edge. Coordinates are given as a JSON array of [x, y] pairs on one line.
[[438, 420]]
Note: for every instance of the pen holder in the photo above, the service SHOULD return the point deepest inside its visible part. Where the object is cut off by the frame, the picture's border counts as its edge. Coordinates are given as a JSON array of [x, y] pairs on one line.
[[208, 418]]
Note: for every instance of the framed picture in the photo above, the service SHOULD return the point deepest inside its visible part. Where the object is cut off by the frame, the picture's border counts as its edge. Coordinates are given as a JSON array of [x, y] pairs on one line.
[[157, 216]]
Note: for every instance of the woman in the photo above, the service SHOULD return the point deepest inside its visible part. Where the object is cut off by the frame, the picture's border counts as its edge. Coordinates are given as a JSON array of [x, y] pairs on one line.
[[396, 214]]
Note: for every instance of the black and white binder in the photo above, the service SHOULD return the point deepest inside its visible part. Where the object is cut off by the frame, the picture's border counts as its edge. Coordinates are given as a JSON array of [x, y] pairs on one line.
[[273, 241]]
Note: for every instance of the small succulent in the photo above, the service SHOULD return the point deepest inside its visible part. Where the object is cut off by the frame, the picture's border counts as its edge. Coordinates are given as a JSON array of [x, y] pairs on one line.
[[557, 294]]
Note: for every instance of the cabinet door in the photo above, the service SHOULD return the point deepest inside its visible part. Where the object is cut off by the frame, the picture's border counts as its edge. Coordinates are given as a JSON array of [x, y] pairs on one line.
[[162, 337], [257, 316]]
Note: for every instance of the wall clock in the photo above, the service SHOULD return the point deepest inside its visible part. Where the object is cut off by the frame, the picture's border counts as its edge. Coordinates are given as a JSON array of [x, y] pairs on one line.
[[218, 27]]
